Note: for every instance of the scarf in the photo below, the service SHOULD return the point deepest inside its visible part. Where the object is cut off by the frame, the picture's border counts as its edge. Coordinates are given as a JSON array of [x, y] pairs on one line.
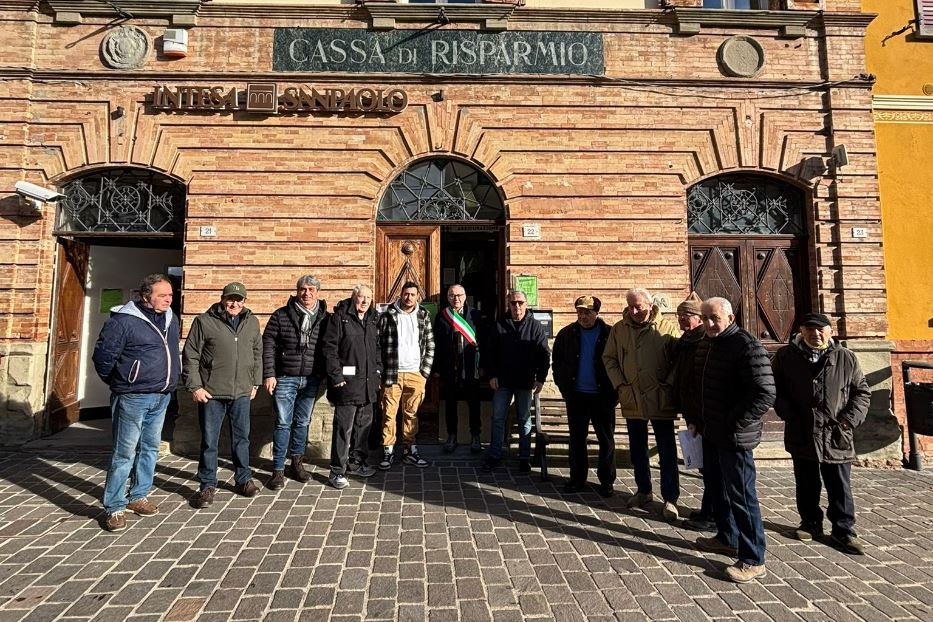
[[307, 321], [813, 354]]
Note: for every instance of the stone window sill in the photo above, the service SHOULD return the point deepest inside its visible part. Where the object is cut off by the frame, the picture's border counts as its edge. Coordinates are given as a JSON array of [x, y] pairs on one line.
[[790, 24]]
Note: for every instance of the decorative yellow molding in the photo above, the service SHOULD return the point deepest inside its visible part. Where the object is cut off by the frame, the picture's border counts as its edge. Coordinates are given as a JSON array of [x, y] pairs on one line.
[[902, 102], [892, 116]]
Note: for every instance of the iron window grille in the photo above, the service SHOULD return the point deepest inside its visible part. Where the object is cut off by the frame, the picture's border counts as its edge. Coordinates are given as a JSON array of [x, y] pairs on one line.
[[740, 204], [441, 190], [123, 201]]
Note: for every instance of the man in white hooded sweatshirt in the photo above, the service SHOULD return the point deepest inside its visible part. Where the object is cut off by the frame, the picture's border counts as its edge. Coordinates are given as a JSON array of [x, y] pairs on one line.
[[407, 339]]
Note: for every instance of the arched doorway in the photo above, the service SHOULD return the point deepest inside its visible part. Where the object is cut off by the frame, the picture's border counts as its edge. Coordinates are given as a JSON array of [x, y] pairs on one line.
[[748, 243], [441, 222], [113, 227]]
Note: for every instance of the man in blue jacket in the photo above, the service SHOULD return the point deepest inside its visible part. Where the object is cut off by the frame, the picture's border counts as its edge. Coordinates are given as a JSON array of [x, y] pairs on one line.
[[516, 363], [137, 356], [581, 376]]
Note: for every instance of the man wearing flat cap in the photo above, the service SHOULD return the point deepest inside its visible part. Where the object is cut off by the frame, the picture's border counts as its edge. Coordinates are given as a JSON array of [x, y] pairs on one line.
[[688, 317], [590, 397], [822, 396], [222, 367]]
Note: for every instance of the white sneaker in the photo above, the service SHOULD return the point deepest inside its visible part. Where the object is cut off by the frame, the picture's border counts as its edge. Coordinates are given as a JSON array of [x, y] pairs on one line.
[[411, 457], [337, 481], [669, 512]]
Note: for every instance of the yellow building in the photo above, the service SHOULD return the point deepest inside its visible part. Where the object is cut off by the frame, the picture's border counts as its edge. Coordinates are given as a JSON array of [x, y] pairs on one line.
[[899, 51]]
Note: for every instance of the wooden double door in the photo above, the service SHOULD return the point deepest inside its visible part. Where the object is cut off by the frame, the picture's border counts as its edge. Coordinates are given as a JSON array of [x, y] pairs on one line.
[[766, 280], [764, 277]]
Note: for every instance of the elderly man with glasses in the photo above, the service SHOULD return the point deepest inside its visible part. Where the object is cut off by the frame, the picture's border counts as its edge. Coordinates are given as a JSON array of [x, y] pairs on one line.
[[222, 367], [516, 363]]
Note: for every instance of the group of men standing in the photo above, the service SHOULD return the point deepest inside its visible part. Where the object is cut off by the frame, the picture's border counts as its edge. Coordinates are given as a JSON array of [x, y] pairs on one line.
[[362, 356], [720, 378], [714, 373]]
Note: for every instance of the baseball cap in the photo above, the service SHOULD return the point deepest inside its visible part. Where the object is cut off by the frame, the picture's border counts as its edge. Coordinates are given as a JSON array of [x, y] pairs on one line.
[[588, 302], [814, 319], [234, 289]]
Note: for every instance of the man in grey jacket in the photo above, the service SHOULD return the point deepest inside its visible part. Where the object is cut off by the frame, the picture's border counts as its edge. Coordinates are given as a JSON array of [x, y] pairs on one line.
[[222, 363], [822, 396]]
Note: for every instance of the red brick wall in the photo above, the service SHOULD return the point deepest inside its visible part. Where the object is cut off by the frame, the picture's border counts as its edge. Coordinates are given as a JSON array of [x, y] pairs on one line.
[[911, 351]]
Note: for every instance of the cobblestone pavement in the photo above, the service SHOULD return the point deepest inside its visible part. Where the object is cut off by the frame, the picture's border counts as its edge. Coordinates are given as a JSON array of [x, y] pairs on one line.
[[443, 543]]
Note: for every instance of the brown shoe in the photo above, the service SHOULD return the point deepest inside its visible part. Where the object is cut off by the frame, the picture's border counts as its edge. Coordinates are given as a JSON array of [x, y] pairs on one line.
[[247, 488], [297, 471], [276, 481], [115, 522], [202, 498], [142, 507], [715, 545], [743, 573]]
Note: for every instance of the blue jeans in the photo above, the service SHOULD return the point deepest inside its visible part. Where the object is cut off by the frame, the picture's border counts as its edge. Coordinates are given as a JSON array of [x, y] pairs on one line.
[[211, 417], [137, 429], [294, 398], [500, 410], [667, 451], [729, 477]]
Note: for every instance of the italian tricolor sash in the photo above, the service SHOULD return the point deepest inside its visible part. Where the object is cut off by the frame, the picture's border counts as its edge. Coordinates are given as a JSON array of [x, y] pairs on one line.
[[460, 325]]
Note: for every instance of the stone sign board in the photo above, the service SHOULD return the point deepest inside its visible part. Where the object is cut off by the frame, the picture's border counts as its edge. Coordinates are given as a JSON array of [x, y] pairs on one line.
[[467, 52]]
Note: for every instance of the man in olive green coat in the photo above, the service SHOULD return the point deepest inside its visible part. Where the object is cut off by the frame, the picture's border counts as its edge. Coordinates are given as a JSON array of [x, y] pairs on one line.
[[639, 360], [222, 367]]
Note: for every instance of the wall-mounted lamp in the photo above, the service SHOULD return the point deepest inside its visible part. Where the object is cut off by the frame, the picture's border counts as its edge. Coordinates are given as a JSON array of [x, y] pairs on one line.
[[840, 156]]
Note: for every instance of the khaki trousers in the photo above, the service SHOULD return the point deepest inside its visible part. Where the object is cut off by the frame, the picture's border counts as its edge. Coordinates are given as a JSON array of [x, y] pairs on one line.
[[407, 395]]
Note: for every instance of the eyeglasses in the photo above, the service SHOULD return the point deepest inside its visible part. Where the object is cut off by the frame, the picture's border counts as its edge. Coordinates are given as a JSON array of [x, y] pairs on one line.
[[458, 295], [517, 303], [233, 301]]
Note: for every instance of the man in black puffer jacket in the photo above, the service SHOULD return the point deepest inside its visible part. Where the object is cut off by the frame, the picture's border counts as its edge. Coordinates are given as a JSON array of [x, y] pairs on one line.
[[822, 396], [516, 362], [292, 370], [353, 361], [734, 389]]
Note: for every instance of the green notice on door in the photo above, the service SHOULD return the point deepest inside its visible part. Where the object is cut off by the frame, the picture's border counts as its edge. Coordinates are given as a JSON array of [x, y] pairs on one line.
[[528, 284]]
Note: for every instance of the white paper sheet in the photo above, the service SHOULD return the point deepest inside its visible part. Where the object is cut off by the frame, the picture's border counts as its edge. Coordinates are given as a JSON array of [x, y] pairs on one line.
[[692, 449]]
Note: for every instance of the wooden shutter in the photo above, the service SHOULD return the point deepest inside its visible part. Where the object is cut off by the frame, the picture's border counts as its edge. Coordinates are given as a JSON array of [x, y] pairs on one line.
[[925, 17]]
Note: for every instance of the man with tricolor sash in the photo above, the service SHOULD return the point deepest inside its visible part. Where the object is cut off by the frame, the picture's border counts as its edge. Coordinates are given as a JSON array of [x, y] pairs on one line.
[[456, 363]]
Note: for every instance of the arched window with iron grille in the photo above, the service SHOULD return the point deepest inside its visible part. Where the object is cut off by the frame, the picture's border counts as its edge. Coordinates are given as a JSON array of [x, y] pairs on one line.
[[122, 201]]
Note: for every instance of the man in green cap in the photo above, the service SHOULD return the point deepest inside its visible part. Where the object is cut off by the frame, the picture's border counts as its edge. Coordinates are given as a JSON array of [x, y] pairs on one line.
[[222, 367]]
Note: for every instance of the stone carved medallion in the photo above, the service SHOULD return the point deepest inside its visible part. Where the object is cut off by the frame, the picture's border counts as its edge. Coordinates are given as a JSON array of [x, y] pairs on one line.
[[741, 56], [125, 47]]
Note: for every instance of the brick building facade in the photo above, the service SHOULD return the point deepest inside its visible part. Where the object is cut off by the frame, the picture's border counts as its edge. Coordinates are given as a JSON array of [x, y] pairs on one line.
[[607, 137]]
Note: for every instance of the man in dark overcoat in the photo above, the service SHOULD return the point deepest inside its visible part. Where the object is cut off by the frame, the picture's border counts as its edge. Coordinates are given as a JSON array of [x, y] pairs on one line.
[[822, 396]]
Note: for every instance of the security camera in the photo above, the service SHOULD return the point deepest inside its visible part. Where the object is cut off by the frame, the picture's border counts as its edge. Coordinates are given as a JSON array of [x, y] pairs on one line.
[[37, 193]]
